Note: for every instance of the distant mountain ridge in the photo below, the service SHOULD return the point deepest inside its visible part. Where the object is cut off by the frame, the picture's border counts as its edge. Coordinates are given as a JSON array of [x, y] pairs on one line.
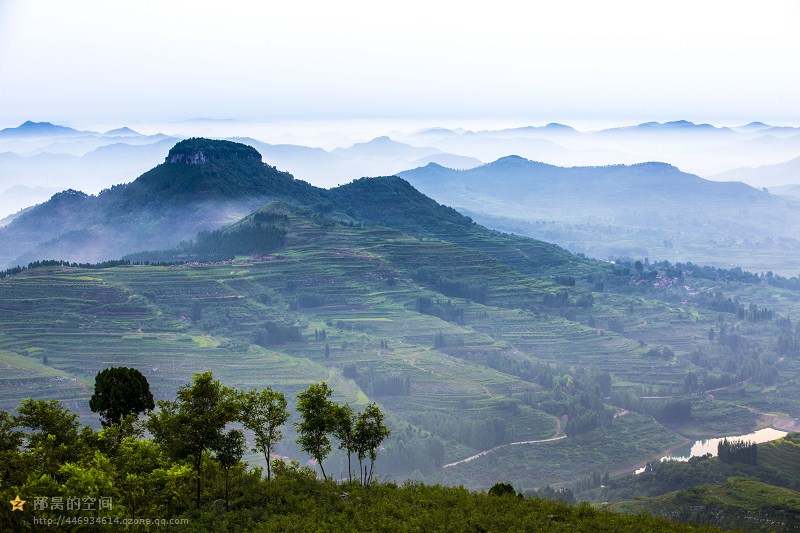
[[646, 209], [201, 185], [514, 178], [35, 129], [206, 184], [377, 157], [787, 173]]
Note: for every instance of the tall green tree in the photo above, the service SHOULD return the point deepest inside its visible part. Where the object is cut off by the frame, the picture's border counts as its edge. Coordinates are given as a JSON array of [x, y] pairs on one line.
[[370, 432], [263, 413], [317, 421], [344, 431], [193, 423], [229, 450], [118, 392]]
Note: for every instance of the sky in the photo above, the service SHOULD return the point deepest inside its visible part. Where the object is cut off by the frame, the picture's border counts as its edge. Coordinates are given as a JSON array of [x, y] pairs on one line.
[[618, 61]]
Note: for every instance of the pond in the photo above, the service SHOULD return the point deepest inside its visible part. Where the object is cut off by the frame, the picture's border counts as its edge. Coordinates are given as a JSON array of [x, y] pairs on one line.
[[702, 447]]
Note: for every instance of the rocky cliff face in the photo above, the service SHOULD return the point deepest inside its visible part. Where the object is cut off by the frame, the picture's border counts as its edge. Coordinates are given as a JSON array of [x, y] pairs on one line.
[[197, 158]]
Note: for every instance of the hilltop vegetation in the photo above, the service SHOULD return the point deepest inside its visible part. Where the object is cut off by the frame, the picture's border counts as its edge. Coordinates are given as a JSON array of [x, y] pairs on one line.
[[756, 493], [191, 473], [737, 503], [201, 186]]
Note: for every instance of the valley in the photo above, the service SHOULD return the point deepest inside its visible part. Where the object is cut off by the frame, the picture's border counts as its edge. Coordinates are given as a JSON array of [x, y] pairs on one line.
[[469, 338]]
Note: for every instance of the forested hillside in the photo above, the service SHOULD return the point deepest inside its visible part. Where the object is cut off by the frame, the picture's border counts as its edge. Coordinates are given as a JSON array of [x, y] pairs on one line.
[[496, 358]]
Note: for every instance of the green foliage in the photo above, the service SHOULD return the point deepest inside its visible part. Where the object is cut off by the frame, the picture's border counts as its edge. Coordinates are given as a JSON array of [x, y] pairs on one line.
[[775, 464], [565, 279], [10, 437], [229, 450], [736, 503], [263, 413], [375, 383], [502, 489], [204, 167], [345, 423], [669, 411], [242, 240], [402, 206], [318, 419], [737, 451], [118, 392], [273, 333], [143, 477], [53, 437], [193, 423], [449, 285], [368, 434]]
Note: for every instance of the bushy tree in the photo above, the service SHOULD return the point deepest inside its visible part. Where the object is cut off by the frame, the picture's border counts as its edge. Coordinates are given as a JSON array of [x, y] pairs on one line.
[[120, 391], [370, 432], [10, 437], [502, 489], [318, 420], [54, 437], [194, 422], [345, 421], [263, 413]]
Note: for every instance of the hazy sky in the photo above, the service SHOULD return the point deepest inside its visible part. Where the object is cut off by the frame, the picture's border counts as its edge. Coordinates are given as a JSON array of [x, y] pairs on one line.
[[704, 60]]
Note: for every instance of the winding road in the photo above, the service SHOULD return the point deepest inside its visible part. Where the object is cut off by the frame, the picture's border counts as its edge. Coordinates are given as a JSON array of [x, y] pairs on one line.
[[558, 436]]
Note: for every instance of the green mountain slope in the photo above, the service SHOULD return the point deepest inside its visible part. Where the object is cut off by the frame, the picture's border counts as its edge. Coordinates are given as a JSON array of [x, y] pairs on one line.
[[492, 361], [756, 497], [739, 503], [202, 185], [381, 315], [392, 201]]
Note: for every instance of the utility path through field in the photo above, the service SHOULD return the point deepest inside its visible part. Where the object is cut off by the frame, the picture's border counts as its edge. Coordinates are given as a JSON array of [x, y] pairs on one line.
[[558, 436], [486, 452]]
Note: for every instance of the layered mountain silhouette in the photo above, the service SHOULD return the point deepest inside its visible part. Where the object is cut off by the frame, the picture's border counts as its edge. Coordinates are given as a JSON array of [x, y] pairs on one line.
[[39, 129], [208, 184], [201, 185], [647, 209], [778, 175], [518, 180]]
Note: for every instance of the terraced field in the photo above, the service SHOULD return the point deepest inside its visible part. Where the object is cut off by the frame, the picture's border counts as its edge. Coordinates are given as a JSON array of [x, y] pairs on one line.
[[346, 299]]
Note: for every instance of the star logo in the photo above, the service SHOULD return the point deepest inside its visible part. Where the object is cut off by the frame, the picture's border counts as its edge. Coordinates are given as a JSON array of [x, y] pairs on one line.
[[16, 504]]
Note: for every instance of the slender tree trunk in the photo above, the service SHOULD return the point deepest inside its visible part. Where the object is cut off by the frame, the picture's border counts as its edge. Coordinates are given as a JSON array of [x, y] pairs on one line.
[[198, 479], [267, 454], [323, 470], [349, 468], [360, 470], [371, 466]]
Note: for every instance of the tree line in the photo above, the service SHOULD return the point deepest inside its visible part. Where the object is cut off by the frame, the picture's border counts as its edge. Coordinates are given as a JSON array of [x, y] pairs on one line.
[[452, 286], [44, 450]]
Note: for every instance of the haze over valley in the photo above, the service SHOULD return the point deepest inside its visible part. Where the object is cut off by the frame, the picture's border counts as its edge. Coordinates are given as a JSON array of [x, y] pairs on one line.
[[354, 267], [652, 209]]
